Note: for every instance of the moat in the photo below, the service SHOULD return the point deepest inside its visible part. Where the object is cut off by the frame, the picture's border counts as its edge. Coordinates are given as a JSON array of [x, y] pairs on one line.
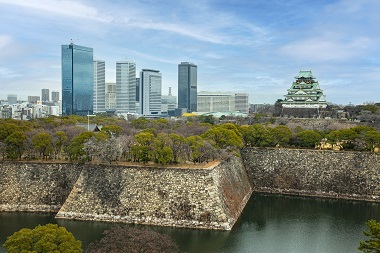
[[269, 223]]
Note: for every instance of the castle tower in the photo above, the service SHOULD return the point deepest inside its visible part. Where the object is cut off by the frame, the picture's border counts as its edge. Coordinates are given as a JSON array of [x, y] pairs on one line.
[[304, 98], [305, 93]]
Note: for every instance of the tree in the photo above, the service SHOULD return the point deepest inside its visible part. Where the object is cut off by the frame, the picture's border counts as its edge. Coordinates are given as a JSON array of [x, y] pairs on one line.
[[281, 135], [15, 145], [112, 130], [372, 245], [59, 140], [41, 239], [127, 239], [7, 129], [75, 149], [42, 142], [140, 123], [372, 139], [177, 145], [110, 149], [308, 138], [207, 119], [224, 137], [260, 136]]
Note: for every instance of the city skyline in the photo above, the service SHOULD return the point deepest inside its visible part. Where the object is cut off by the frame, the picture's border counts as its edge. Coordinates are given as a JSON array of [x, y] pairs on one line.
[[238, 46]]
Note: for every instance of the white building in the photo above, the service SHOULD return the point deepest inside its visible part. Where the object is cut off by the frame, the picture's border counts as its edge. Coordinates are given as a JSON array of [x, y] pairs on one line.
[[150, 92], [216, 101], [241, 102], [99, 85], [168, 102], [222, 102], [12, 99], [125, 86], [110, 96]]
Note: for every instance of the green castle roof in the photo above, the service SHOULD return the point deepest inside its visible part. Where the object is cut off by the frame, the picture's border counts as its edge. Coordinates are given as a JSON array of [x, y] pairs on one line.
[[305, 74]]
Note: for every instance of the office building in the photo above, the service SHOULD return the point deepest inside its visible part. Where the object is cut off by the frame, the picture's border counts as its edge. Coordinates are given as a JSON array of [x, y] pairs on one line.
[[77, 80], [55, 96], [99, 86], [33, 99], [150, 92], [241, 102], [45, 95], [216, 101], [187, 86], [12, 99], [137, 89], [110, 96], [168, 102], [125, 87], [222, 102], [137, 94]]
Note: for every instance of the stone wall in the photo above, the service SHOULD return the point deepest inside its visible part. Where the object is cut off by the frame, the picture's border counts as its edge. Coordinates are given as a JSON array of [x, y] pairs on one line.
[[185, 197], [211, 197], [36, 186], [317, 123], [338, 174]]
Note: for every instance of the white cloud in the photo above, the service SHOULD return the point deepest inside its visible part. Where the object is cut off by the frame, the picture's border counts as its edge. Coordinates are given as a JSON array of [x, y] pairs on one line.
[[6, 73], [325, 49], [5, 40], [63, 7]]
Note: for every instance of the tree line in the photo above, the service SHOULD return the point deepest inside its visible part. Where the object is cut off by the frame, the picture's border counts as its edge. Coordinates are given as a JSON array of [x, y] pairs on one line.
[[162, 141]]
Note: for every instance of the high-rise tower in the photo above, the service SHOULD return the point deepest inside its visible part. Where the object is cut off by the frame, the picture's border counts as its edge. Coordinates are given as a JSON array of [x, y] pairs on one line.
[[45, 95], [55, 96], [187, 86], [77, 80], [150, 92], [99, 86], [125, 86]]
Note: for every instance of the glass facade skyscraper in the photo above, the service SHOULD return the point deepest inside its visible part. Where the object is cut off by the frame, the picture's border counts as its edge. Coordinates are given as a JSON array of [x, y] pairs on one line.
[[187, 86], [77, 80]]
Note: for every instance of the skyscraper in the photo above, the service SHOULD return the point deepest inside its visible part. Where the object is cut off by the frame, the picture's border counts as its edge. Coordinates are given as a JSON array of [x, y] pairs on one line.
[[110, 96], [150, 92], [187, 86], [45, 95], [125, 86], [12, 99], [99, 86], [55, 96], [77, 80]]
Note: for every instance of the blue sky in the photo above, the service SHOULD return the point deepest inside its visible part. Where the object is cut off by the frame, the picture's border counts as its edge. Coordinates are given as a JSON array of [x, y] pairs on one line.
[[253, 46]]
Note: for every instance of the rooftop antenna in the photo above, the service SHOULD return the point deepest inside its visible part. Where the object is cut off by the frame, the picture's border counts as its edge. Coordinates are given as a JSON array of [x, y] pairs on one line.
[[72, 41]]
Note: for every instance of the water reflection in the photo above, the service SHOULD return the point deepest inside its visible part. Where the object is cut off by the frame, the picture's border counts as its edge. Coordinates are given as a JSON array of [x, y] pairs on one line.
[[269, 223]]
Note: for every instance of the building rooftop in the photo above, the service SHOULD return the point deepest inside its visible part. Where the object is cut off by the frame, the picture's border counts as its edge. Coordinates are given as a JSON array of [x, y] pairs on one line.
[[305, 74]]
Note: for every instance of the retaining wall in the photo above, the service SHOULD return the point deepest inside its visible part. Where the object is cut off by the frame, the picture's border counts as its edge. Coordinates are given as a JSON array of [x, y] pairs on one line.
[[324, 173], [36, 186], [211, 197]]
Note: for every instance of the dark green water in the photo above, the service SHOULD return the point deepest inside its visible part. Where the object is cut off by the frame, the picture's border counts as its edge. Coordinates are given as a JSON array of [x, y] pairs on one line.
[[269, 223]]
